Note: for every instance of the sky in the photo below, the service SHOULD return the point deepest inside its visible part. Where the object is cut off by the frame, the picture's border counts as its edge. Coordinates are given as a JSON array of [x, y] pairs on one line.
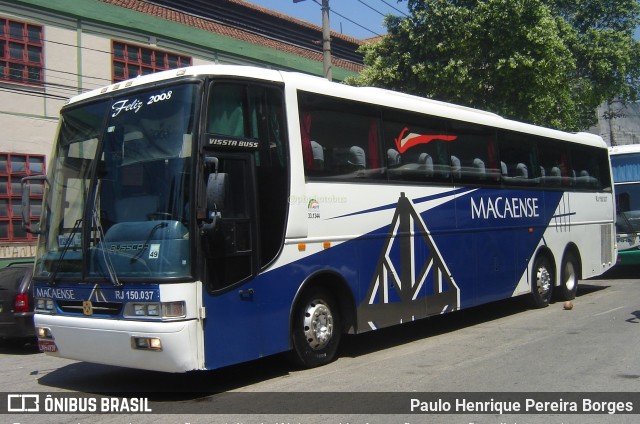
[[357, 18]]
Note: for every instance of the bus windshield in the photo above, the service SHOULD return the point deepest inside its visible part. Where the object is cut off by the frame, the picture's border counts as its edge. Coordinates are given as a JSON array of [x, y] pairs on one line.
[[626, 174], [626, 168], [119, 184]]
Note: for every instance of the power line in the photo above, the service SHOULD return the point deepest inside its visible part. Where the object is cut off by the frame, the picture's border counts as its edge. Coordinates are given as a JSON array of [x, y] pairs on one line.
[[371, 7], [33, 94], [77, 46], [77, 75], [395, 8], [98, 81], [350, 20], [368, 6]]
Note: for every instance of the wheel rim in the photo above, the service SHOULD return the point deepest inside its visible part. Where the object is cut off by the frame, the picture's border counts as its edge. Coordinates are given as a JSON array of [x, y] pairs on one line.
[[543, 280], [569, 276], [318, 324]]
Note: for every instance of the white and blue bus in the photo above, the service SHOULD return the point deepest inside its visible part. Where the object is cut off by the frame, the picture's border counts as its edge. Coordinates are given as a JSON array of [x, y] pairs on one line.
[[206, 216], [625, 166]]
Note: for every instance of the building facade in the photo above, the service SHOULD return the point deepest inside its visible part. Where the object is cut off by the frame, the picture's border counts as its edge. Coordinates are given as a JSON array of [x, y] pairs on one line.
[[52, 50], [624, 128]]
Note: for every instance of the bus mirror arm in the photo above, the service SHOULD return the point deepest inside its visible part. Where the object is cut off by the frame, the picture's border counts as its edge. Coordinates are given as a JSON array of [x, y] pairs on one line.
[[26, 202]]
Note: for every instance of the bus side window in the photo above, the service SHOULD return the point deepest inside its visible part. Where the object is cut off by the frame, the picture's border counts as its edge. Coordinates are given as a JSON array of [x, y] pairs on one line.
[[415, 147], [245, 111], [475, 152], [226, 110], [553, 161], [588, 167], [519, 153], [337, 142]]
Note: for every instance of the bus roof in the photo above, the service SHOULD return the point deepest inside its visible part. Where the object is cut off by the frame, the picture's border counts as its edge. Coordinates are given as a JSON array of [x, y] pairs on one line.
[[372, 95], [222, 70], [624, 149]]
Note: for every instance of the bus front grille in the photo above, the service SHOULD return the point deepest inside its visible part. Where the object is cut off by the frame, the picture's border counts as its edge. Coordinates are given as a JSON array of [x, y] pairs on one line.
[[96, 308]]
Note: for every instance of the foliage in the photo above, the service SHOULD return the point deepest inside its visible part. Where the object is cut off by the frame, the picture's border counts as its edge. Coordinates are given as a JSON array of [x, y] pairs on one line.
[[548, 62]]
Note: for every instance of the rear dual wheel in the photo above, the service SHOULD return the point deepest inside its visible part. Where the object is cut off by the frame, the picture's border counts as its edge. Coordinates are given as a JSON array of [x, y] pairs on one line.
[[543, 282], [569, 275]]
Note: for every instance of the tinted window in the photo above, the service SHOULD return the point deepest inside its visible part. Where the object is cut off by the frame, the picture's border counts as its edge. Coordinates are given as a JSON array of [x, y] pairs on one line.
[[518, 159], [416, 147], [589, 167], [349, 140], [474, 154], [11, 277], [339, 138], [249, 115]]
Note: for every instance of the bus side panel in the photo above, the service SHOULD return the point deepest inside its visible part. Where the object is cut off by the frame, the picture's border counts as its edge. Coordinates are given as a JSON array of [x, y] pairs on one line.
[[504, 227], [252, 320], [232, 328], [476, 261], [589, 229], [413, 265]]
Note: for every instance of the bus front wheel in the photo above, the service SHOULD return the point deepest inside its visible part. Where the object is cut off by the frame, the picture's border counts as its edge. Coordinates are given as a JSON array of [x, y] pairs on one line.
[[316, 330], [542, 285]]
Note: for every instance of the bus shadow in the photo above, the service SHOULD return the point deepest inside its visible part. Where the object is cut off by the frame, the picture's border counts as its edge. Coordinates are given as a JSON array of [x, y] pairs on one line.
[[621, 273], [362, 344], [165, 387], [585, 288], [106, 380]]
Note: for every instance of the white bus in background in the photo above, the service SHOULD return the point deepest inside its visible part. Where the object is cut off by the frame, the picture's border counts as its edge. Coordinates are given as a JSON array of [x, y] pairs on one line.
[[206, 216], [625, 166]]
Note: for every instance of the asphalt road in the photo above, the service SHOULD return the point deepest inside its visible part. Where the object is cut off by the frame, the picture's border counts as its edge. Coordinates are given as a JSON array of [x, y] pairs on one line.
[[493, 350]]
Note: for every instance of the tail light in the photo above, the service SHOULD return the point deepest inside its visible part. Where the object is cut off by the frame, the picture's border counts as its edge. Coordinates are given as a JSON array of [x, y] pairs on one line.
[[22, 303]]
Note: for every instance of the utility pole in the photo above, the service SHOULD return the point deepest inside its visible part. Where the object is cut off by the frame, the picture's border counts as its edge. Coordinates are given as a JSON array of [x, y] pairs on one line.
[[326, 39]]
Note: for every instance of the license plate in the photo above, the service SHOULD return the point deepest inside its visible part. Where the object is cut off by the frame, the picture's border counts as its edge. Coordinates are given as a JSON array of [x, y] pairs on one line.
[[47, 346]]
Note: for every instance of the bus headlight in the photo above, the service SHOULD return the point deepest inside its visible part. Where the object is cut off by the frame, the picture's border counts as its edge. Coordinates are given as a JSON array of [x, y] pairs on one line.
[[153, 310], [169, 310]]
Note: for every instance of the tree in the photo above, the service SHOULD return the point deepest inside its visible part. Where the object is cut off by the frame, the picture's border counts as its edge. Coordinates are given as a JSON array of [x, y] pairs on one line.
[[548, 62]]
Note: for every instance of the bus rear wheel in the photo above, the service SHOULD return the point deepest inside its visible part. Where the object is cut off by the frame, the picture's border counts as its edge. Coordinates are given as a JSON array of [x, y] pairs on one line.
[[542, 286], [569, 277], [316, 330]]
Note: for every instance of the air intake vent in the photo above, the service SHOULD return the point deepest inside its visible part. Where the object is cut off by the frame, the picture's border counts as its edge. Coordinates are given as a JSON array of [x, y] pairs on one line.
[[606, 241]]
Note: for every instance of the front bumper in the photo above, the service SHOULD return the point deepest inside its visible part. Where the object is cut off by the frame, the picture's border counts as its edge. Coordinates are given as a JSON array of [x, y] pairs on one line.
[[109, 342]]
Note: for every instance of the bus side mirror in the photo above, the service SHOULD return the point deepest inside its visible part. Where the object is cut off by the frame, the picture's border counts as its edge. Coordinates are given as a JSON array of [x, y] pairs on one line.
[[25, 187], [217, 188]]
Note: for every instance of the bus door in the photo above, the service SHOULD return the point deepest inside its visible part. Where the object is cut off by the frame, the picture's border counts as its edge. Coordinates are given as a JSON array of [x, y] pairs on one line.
[[230, 247]]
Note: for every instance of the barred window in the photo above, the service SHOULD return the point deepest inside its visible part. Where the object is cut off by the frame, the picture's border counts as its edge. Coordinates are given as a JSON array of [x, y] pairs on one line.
[[13, 167], [130, 61], [21, 58]]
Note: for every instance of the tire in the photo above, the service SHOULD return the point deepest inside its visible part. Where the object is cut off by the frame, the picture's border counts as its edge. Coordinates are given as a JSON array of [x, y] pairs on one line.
[[543, 282], [569, 276], [316, 329]]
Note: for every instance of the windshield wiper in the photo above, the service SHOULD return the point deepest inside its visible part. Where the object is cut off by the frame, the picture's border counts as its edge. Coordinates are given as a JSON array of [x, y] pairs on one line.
[[111, 271], [65, 248]]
